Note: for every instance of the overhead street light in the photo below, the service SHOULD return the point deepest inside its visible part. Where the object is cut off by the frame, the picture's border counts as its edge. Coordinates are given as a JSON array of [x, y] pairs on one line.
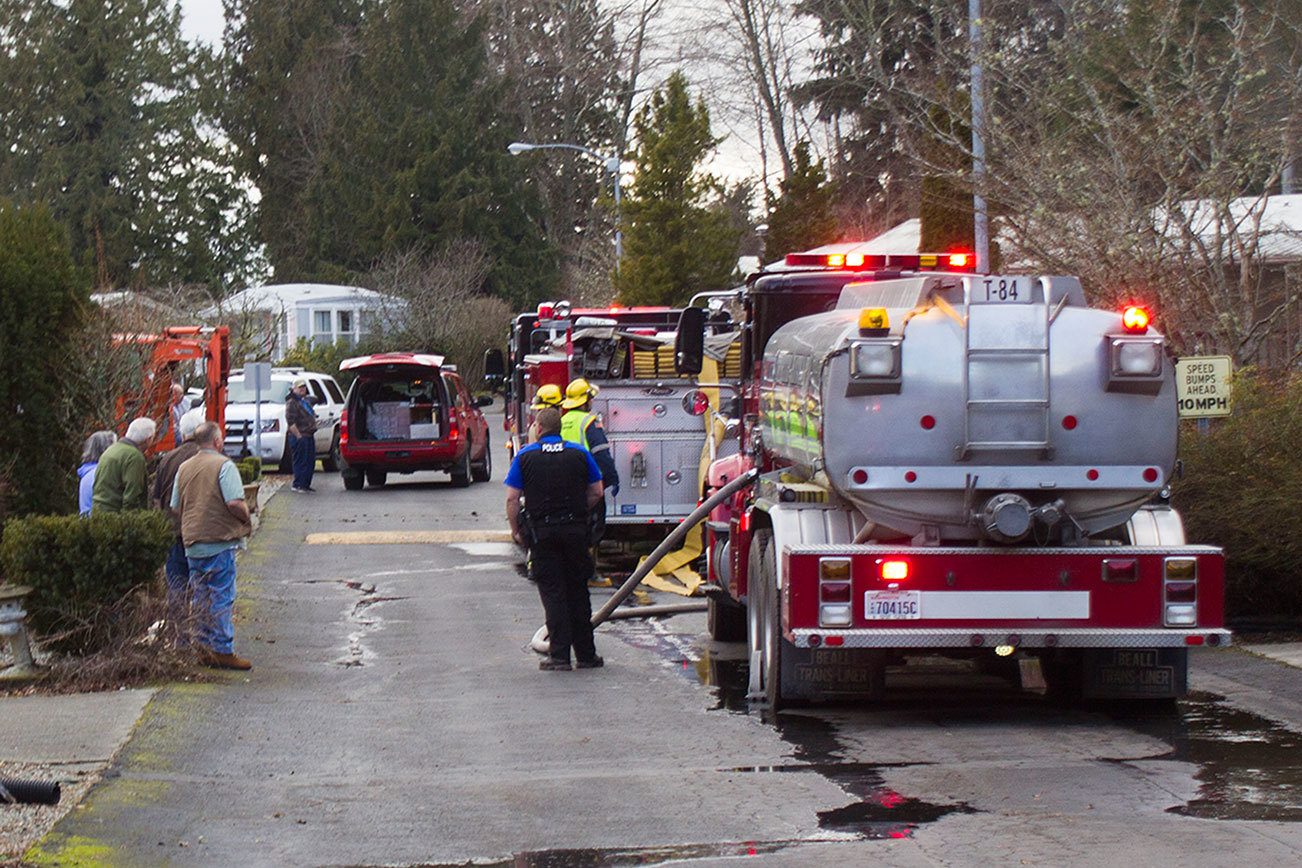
[[612, 165]]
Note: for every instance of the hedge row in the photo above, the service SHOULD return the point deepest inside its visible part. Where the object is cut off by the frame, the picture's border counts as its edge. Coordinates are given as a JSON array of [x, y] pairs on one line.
[[79, 568]]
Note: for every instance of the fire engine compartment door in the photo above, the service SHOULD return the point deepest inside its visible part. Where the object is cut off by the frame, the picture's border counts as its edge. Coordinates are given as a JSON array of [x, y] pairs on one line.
[[681, 488], [646, 411], [640, 467]]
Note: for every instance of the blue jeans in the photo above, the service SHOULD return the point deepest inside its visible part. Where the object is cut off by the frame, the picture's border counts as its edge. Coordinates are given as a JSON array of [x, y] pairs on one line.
[[302, 456], [212, 595], [177, 569]]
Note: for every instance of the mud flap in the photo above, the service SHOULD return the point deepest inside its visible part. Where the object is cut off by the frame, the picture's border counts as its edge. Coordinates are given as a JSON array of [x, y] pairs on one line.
[[822, 674], [1136, 673]]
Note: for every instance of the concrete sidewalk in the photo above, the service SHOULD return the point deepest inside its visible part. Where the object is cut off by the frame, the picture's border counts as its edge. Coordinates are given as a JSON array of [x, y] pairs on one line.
[[1289, 653], [70, 739]]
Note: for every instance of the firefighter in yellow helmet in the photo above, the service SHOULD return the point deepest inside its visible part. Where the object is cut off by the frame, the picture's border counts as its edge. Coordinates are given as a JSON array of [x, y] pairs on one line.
[[547, 396], [582, 426]]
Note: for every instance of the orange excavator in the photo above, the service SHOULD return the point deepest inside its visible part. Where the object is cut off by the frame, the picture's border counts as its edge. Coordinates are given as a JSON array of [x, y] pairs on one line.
[[198, 349]]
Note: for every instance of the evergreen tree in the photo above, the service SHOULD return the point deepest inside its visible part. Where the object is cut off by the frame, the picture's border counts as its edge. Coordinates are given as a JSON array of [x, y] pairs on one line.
[[41, 305], [677, 239], [802, 216], [287, 71], [379, 133], [102, 119]]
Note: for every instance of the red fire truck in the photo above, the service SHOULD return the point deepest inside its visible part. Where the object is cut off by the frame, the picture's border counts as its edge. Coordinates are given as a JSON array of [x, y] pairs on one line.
[[656, 441], [952, 464]]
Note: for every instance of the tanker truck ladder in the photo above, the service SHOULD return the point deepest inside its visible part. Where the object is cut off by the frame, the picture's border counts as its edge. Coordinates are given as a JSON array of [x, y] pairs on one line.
[[1006, 379]]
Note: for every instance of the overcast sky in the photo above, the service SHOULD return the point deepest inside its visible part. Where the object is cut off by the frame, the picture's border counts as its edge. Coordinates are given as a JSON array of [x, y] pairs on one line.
[[202, 19]]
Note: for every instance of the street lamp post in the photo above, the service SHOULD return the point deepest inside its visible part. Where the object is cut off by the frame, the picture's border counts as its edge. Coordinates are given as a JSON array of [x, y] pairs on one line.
[[612, 165]]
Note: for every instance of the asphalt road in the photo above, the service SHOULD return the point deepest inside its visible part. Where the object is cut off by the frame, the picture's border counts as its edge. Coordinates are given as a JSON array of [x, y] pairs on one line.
[[396, 716]]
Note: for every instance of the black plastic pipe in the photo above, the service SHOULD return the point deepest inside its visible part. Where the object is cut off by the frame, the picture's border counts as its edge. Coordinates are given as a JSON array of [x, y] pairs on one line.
[[17, 790]]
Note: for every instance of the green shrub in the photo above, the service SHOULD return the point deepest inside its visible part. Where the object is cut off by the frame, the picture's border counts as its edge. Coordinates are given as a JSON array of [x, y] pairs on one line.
[[250, 469], [79, 568], [41, 306], [1241, 488]]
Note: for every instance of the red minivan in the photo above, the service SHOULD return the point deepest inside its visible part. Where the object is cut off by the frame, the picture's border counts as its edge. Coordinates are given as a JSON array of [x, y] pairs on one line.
[[407, 412]]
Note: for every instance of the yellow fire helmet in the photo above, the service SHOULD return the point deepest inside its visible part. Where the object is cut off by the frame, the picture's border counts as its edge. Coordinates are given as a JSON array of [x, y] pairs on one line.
[[578, 393], [547, 396]]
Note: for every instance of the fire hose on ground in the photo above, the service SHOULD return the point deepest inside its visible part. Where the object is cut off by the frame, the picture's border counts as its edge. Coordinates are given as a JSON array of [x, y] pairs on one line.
[[671, 542], [16, 791]]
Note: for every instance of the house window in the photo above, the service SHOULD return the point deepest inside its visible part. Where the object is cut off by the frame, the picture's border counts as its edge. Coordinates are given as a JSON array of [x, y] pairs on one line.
[[322, 328], [347, 331], [365, 322]]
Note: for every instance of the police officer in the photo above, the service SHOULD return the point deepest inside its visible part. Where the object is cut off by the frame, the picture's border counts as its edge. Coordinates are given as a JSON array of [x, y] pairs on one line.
[[582, 426], [560, 483]]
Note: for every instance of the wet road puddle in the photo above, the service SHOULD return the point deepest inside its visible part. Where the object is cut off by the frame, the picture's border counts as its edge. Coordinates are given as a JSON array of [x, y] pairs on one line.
[[1249, 767], [616, 856]]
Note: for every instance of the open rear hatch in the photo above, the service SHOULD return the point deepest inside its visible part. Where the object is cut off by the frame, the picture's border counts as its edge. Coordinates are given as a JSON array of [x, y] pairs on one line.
[[397, 400]]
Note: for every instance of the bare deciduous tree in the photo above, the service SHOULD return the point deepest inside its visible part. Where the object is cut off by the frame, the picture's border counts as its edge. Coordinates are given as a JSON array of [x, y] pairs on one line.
[[1136, 144], [428, 304]]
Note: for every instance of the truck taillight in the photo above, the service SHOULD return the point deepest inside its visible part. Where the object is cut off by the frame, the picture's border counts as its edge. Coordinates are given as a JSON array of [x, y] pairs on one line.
[[343, 427], [454, 430], [834, 592], [892, 570], [1180, 592]]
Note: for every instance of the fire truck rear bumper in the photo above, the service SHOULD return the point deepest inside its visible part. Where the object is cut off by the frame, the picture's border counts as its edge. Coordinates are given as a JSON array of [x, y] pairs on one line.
[[988, 638]]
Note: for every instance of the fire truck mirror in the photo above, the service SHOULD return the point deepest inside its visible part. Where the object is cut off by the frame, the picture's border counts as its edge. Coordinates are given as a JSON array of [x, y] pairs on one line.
[[696, 402], [689, 344], [494, 365]]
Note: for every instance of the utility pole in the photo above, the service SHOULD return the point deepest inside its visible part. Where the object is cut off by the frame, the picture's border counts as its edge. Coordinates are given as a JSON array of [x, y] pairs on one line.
[[980, 214]]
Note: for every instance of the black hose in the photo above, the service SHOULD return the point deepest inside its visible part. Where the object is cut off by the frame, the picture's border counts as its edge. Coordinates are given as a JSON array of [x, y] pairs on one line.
[[671, 542], [16, 790]]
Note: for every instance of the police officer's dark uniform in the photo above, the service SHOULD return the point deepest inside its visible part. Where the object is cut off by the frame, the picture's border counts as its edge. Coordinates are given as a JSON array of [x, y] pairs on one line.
[[555, 476]]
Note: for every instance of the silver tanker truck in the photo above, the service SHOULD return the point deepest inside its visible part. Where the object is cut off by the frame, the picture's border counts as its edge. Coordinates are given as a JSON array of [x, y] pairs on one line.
[[952, 464]]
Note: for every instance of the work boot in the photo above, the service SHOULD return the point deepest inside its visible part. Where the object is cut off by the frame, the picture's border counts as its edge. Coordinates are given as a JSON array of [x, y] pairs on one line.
[[214, 660], [551, 664], [595, 662]]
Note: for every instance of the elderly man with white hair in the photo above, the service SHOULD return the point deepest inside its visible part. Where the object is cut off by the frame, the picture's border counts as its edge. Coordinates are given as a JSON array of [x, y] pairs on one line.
[[121, 478]]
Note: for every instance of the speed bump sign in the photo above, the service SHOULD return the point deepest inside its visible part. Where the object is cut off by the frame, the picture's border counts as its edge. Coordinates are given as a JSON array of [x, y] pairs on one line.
[[1202, 385]]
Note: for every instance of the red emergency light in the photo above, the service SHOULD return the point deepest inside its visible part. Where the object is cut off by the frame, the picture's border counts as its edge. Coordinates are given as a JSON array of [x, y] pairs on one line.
[[893, 570], [1135, 319], [956, 261]]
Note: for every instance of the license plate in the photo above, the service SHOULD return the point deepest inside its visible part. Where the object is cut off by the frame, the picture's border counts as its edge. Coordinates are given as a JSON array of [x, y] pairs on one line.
[[1002, 290], [892, 605]]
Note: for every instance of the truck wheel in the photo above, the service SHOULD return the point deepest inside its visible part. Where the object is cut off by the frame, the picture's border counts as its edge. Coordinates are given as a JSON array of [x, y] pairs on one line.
[[330, 461], [755, 613], [461, 471], [764, 622], [772, 650], [353, 480], [725, 620], [482, 471], [286, 461], [376, 478]]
